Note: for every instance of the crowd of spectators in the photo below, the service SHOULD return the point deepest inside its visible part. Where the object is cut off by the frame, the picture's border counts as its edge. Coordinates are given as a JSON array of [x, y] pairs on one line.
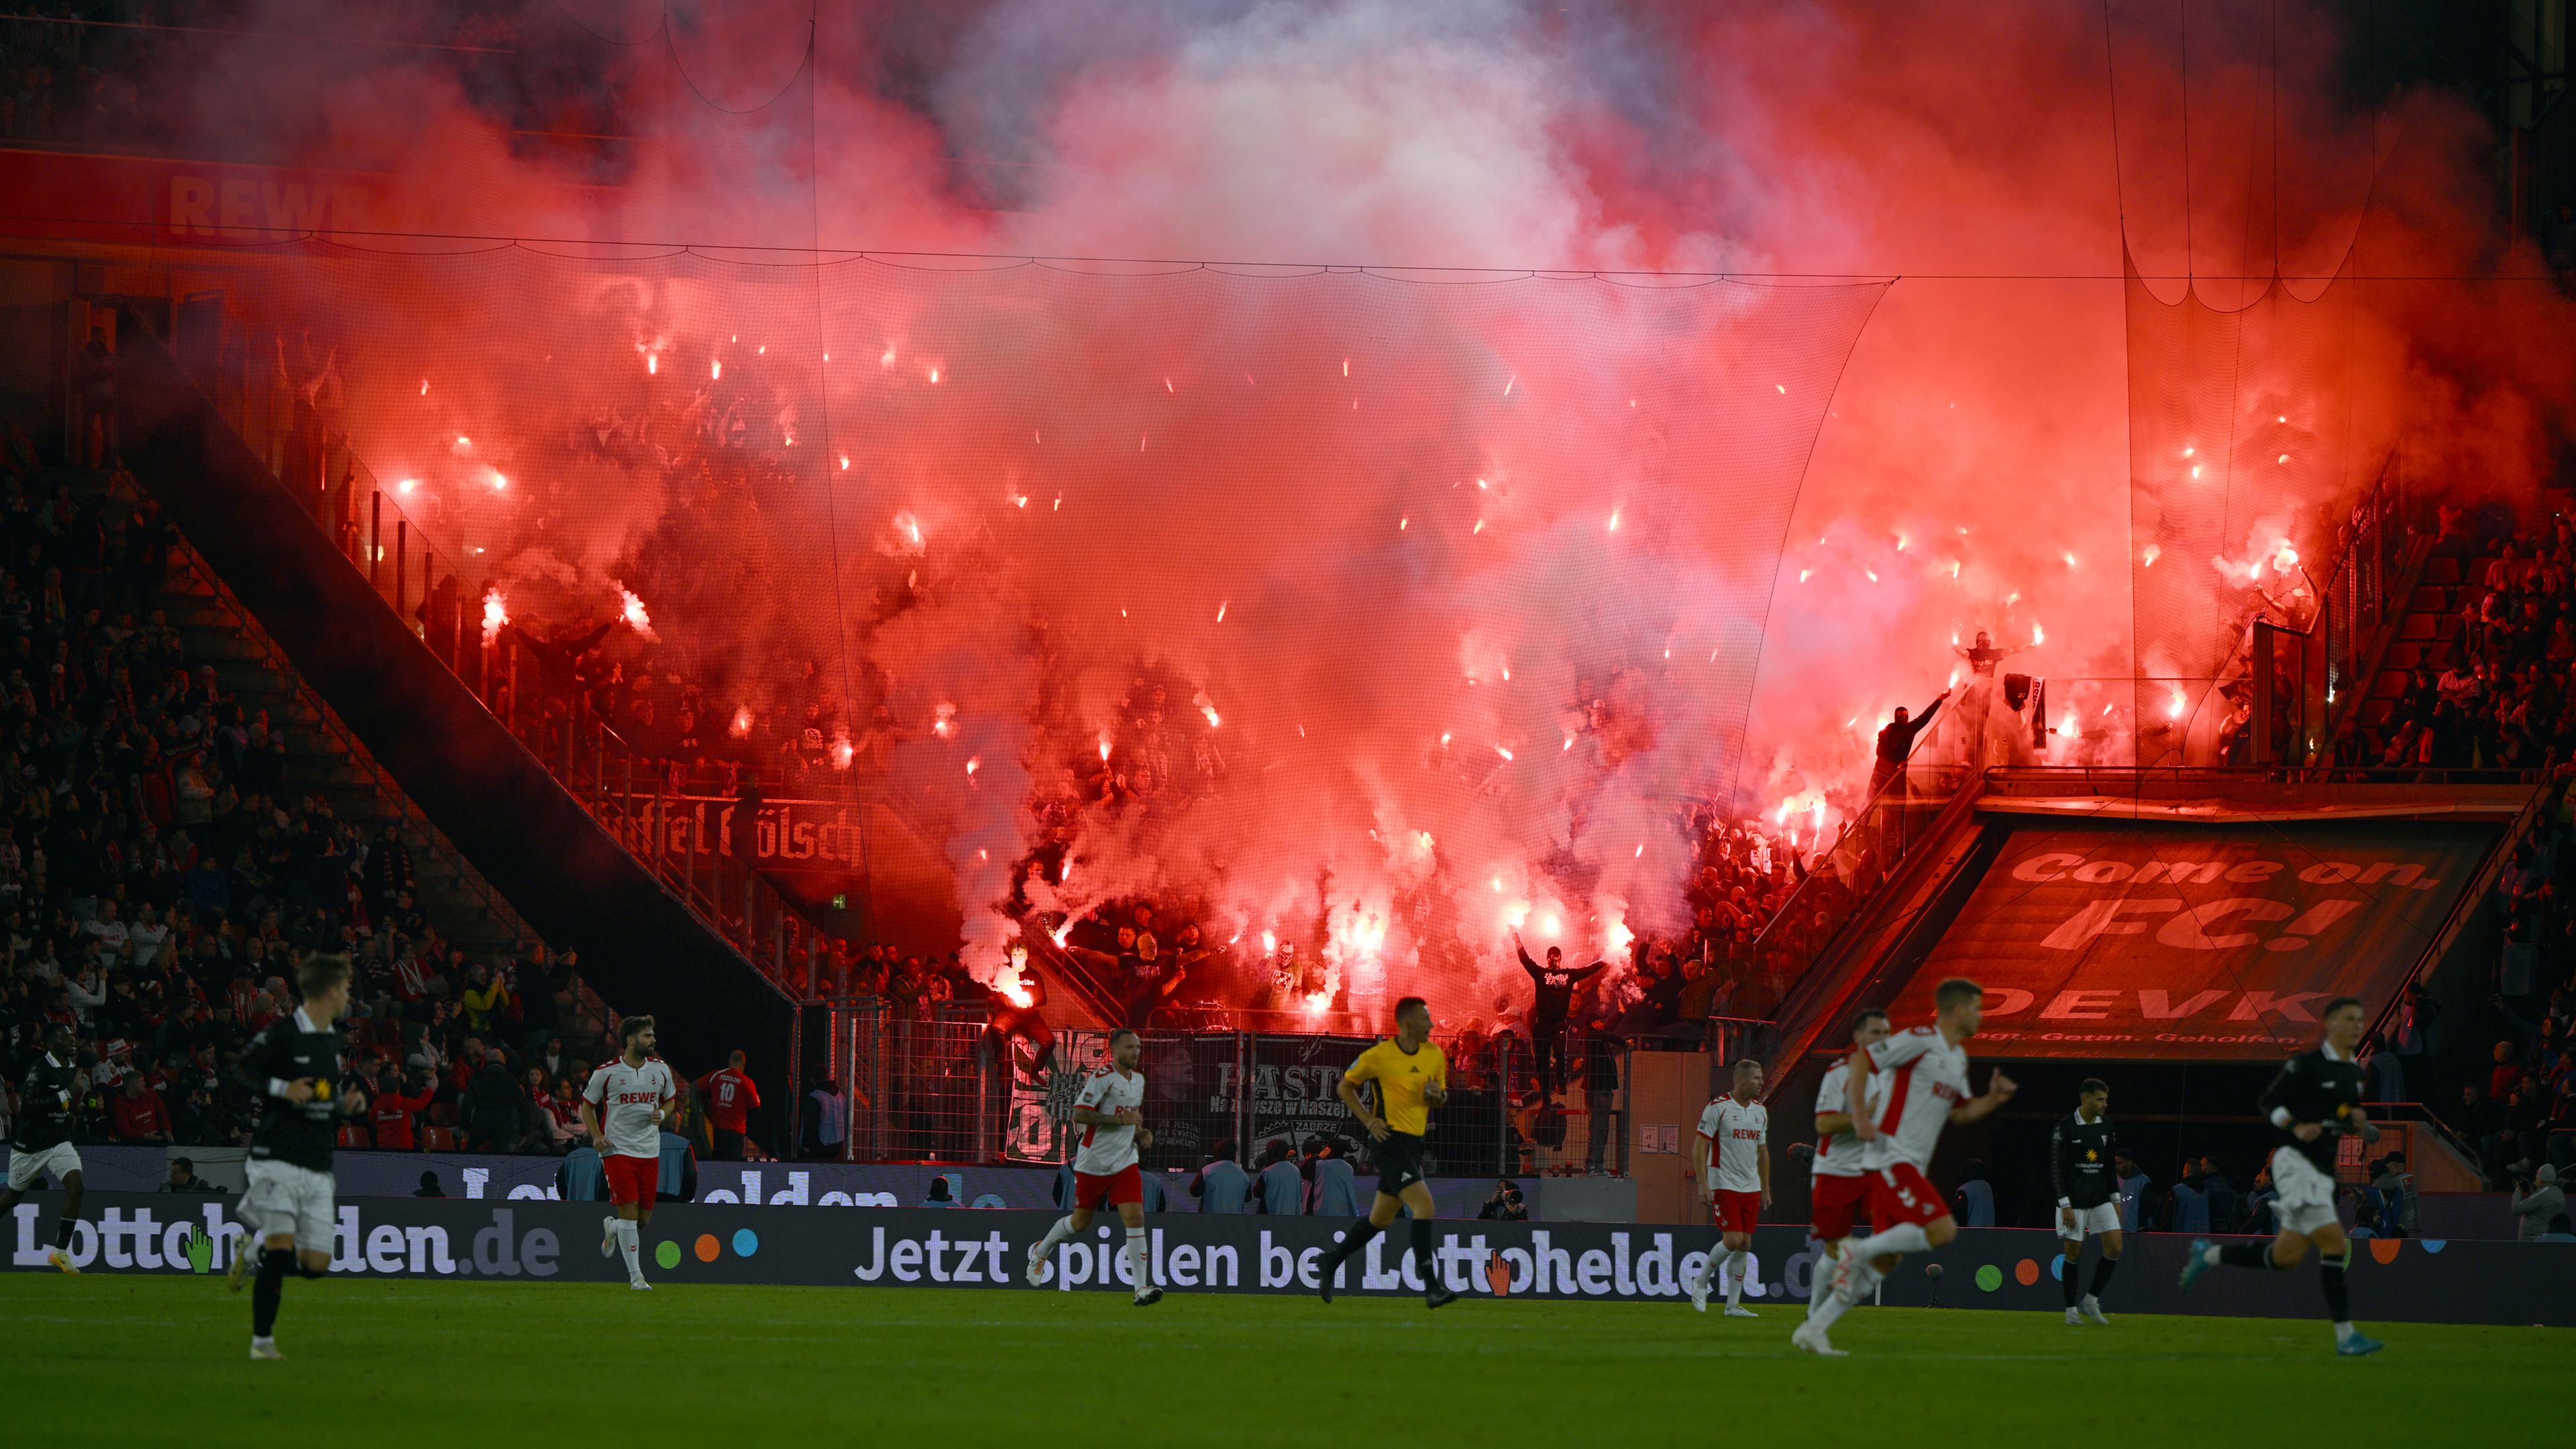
[[159, 881]]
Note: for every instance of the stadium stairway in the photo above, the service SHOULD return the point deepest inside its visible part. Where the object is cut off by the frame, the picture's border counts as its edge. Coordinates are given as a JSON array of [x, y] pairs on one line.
[[556, 869], [325, 759]]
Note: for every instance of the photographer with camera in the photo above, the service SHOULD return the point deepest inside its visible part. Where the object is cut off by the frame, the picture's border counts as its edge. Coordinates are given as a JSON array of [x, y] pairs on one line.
[[1505, 1206], [2537, 1200]]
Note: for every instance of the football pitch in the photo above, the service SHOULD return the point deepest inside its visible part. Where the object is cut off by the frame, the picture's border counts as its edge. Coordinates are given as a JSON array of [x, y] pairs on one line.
[[133, 1359]]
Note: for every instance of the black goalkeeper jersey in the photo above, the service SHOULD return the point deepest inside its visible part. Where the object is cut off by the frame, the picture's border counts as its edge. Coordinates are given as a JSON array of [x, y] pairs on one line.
[[2314, 1087], [283, 1052], [45, 1105], [2079, 1161]]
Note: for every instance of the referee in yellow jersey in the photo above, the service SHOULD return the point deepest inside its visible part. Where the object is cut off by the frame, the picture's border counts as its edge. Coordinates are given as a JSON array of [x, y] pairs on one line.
[[1412, 1077]]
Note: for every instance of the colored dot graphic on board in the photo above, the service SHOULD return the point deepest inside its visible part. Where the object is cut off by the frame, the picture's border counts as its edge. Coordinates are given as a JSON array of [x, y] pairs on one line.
[[2027, 1271], [745, 1242], [1990, 1277], [707, 1247], [667, 1253]]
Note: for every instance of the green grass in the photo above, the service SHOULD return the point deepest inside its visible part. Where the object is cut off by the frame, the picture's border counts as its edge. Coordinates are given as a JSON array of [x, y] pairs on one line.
[[110, 1359]]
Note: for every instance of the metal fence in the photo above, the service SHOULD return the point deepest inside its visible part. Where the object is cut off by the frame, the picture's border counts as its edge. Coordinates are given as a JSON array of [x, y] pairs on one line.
[[947, 1088]]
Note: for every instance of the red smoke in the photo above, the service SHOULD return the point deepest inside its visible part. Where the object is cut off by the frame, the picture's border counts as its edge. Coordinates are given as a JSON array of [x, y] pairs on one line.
[[1333, 511]]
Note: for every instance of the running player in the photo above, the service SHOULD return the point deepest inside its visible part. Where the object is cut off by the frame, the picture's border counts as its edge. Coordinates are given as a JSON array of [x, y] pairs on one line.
[[294, 1065], [1839, 1186], [2315, 1100], [44, 1141], [623, 1107], [2080, 1153], [1736, 1175], [1927, 1089], [1412, 1077], [1111, 1113]]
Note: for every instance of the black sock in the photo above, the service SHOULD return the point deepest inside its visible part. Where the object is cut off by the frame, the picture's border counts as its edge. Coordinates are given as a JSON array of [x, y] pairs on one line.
[[1354, 1238], [2066, 1280], [63, 1233], [1422, 1259], [2338, 1293], [2102, 1275], [2246, 1255], [274, 1265]]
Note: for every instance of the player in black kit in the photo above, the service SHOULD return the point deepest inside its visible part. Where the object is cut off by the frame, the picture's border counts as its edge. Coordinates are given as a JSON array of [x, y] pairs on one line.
[[2315, 1101], [294, 1065], [2088, 1198]]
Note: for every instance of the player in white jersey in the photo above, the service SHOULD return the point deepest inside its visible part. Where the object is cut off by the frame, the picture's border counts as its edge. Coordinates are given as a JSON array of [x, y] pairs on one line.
[[623, 1108], [1926, 1090], [1111, 1113], [1839, 1185], [1731, 1162]]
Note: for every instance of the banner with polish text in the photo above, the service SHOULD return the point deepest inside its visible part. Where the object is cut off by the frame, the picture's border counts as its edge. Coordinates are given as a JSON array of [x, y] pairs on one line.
[[2127, 941]]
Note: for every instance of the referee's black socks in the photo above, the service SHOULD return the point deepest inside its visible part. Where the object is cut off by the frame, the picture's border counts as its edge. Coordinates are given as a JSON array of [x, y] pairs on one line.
[[1422, 1259]]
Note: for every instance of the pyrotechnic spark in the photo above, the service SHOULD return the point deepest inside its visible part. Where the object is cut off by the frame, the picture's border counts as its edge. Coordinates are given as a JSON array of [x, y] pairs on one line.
[[2150, 556], [1210, 711], [974, 763], [1515, 382], [1220, 613], [1954, 568], [934, 375], [1104, 749], [652, 363], [1873, 574], [406, 485], [1481, 483], [2012, 598], [2070, 559], [1346, 367], [887, 358], [715, 371], [741, 727], [1569, 744], [1059, 504], [1506, 754], [1803, 573], [1140, 440], [1901, 541], [1479, 528], [1269, 941], [2175, 710], [1507, 674], [1614, 520], [464, 444], [496, 612], [631, 609], [1782, 388], [910, 526], [424, 387], [1402, 523], [2195, 470], [1444, 742], [2283, 418], [499, 482], [2285, 457], [1425, 837], [845, 462], [2037, 635], [761, 351], [843, 752], [2187, 452], [945, 724]]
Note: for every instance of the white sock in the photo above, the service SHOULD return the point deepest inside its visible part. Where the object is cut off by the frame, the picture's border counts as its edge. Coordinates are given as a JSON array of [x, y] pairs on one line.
[[1136, 1266], [1062, 1230], [1903, 1238], [2343, 1333], [1824, 1308], [1708, 1270], [626, 1243], [1735, 1278]]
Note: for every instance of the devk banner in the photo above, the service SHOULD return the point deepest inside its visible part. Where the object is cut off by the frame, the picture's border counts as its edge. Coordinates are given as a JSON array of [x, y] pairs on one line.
[[2140, 941]]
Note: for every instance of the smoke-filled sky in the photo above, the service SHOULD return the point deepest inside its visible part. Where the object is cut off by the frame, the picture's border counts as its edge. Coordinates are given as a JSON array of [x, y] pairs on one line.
[[1911, 416]]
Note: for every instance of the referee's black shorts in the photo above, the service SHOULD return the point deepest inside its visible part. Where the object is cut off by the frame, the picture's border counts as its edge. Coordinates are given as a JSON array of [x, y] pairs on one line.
[[1399, 1162]]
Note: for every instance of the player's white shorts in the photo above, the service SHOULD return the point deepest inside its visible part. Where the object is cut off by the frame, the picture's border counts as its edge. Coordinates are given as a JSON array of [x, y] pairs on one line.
[[2090, 1222], [26, 1166], [284, 1198], [2307, 1200]]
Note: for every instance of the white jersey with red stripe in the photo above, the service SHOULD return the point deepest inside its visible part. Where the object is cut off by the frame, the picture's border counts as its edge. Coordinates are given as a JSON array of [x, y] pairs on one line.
[[1735, 1132], [1926, 1077], [1841, 1154], [1109, 1149]]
